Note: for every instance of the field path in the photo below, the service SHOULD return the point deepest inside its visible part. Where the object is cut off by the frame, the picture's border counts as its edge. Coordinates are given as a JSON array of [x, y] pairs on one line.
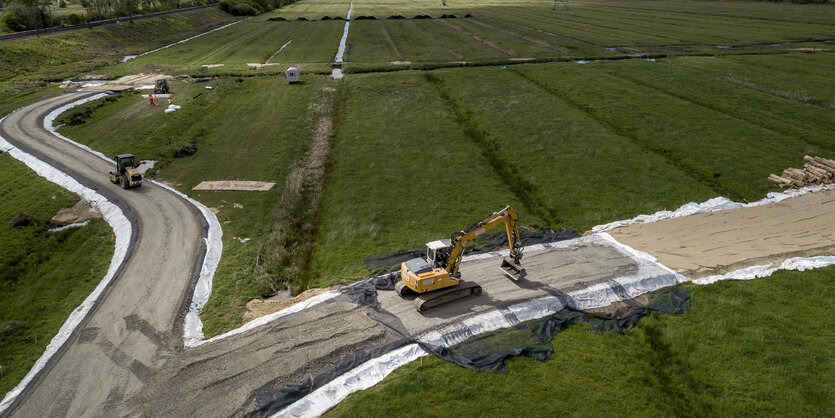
[[720, 242]]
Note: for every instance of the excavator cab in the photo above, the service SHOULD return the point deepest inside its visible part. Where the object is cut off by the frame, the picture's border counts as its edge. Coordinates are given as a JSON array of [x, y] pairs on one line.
[[437, 252]]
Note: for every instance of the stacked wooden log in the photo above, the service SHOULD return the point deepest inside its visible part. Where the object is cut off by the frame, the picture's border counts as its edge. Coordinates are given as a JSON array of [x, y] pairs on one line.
[[816, 170]]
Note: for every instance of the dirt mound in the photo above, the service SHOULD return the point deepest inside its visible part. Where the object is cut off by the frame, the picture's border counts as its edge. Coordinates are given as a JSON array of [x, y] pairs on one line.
[[301, 19], [277, 19], [257, 308], [81, 212], [185, 151], [449, 17], [326, 18], [365, 18], [395, 17], [418, 17]]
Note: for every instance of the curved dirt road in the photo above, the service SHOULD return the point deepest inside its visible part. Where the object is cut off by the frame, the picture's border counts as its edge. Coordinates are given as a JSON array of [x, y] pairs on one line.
[[137, 326]]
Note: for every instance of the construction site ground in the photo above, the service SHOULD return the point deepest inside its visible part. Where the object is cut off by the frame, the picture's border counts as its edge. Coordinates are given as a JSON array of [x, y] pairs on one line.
[[128, 357], [629, 134]]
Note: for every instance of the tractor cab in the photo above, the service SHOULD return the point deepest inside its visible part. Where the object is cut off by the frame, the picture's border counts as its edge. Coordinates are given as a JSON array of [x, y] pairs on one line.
[[123, 161], [161, 87], [437, 252], [126, 173]]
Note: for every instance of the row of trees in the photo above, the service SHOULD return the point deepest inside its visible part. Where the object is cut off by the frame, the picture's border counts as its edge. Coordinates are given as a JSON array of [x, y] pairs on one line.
[[19, 15], [251, 7]]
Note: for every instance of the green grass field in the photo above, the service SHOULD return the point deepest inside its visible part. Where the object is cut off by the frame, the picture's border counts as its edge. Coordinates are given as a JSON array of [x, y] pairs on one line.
[[43, 275], [739, 90]]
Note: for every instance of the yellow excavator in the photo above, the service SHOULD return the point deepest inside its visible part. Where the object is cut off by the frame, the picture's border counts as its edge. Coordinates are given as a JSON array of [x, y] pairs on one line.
[[437, 278]]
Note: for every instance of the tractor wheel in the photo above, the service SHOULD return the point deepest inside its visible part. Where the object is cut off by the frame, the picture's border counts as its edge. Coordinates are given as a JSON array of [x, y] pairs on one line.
[[124, 181]]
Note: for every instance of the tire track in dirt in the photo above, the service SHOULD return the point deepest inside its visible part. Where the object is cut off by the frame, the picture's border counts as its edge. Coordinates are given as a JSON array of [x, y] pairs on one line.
[[512, 175], [678, 162]]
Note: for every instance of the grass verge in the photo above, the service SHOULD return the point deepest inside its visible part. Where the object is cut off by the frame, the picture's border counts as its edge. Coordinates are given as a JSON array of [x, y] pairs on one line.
[[43, 275]]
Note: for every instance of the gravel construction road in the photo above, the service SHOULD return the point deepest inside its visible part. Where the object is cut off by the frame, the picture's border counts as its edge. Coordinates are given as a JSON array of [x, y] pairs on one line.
[[719, 242], [138, 326]]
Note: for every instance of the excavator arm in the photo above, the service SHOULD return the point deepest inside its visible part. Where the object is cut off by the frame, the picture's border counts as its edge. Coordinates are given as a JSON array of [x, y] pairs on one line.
[[506, 216]]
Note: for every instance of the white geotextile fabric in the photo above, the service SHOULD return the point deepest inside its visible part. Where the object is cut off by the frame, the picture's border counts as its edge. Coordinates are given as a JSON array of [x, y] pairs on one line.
[[711, 205], [341, 51], [193, 327], [266, 319], [122, 229], [650, 276], [362, 377], [754, 272], [130, 57]]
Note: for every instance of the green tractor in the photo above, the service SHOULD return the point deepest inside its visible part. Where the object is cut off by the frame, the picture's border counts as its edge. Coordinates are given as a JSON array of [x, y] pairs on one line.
[[126, 173]]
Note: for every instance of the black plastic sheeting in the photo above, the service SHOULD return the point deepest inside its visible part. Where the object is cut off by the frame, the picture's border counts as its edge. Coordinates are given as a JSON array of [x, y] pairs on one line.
[[384, 263], [484, 352], [488, 351]]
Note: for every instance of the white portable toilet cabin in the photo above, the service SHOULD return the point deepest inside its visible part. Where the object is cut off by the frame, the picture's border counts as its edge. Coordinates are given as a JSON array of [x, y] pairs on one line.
[[292, 75]]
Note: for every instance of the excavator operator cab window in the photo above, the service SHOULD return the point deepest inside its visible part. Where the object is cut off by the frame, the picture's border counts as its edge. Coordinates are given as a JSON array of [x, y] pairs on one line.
[[437, 252]]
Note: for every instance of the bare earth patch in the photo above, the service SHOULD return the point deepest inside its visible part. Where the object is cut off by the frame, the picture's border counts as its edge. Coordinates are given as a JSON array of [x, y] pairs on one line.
[[401, 62], [128, 82], [257, 308], [79, 213], [720, 242], [213, 65], [235, 185], [257, 65]]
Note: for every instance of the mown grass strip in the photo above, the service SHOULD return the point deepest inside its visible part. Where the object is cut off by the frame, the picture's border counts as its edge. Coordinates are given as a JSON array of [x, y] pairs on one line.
[[401, 173], [582, 170], [679, 161], [813, 137]]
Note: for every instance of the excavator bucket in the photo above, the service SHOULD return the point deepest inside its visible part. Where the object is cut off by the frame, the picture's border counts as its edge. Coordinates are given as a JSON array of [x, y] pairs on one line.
[[512, 269]]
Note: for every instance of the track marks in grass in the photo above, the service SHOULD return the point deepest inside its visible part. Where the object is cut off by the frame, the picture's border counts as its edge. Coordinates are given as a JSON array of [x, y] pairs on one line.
[[387, 35], [679, 162], [286, 260], [484, 41], [513, 176], [526, 38], [716, 106]]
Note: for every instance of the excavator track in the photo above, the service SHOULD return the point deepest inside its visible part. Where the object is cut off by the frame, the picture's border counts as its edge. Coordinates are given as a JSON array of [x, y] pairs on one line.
[[462, 290]]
